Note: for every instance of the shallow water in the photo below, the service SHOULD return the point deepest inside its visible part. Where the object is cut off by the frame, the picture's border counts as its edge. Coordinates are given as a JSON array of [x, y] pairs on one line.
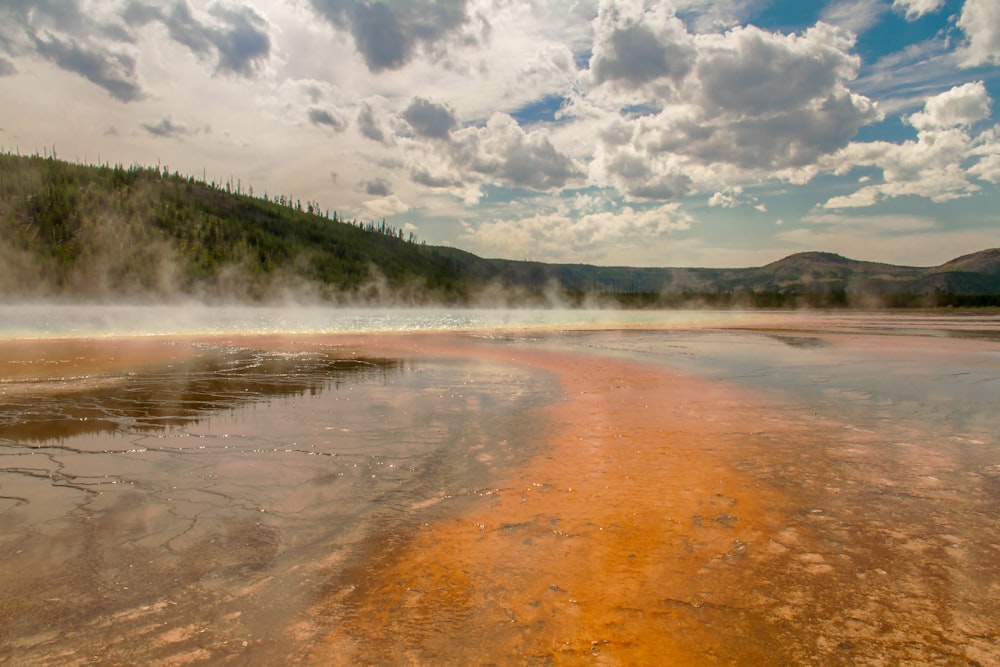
[[234, 501], [885, 446], [195, 510], [30, 320]]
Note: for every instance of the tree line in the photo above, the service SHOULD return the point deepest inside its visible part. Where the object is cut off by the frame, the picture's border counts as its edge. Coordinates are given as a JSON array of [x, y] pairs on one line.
[[113, 230]]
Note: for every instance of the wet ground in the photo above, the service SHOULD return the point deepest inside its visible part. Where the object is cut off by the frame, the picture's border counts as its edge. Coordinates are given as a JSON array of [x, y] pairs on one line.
[[817, 493], [192, 510]]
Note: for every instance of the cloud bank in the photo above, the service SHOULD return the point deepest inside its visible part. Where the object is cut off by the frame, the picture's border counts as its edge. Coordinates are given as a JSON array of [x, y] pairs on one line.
[[631, 129]]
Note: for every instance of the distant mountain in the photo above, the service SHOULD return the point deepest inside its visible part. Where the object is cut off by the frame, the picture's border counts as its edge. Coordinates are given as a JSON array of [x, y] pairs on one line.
[[101, 233], [817, 279], [984, 261]]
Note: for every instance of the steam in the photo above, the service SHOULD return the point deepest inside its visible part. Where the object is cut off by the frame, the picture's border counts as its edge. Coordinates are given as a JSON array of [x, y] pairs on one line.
[[46, 319]]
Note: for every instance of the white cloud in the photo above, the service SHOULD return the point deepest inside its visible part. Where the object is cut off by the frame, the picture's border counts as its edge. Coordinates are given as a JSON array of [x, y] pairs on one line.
[[988, 151], [934, 165], [372, 123], [855, 15], [734, 197], [929, 167], [754, 103], [564, 233], [500, 152], [727, 199], [980, 20], [755, 72], [429, 119], [90, 45], [717, 15], [637, 174], [657, 106], [901, 81], [961, 106], [383, 207], [915, 9], [638, 49], [389, 35]]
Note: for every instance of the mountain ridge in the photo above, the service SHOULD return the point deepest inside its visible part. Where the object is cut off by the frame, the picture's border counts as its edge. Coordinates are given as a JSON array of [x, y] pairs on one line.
[[101, 233]]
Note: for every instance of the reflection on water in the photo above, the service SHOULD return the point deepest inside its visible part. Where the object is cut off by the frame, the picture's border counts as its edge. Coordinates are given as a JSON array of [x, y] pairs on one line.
[[193, 511], [241, 504], [923, 378], [215, 380]]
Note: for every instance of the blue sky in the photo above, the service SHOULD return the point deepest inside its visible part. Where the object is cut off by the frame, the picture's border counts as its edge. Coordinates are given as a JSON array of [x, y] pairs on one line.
[[723, 133]]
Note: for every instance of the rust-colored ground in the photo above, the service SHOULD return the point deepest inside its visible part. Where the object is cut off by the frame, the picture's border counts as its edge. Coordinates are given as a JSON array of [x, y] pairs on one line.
[[606, 546], [61, 360], [667, 520]]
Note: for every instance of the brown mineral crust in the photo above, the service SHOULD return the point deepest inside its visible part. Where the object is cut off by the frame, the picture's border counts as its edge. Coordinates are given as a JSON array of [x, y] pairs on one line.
[[55, 359], [604, 545]]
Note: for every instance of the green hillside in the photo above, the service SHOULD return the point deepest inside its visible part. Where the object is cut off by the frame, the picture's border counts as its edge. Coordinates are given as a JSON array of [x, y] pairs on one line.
[[75, 232], [98, 232]]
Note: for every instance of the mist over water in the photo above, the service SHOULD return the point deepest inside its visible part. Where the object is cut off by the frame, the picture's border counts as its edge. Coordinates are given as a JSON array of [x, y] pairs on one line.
[[61, 320]]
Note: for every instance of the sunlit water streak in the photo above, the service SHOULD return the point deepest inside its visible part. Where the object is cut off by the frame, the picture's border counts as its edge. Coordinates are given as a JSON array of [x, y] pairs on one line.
[[46, 320]]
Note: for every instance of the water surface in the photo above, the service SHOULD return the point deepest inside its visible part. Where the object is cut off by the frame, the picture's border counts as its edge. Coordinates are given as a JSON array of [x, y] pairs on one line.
[[232, 499]]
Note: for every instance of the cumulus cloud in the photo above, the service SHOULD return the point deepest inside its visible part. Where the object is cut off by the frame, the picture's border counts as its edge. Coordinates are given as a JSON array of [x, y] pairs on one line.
[[62, 33], [754, 72], [167, 129], [933, 165], [378, 187], [634, 47], [324, 118], [445, 102], [238, 37], [519, 158], [23, 20], [101, 46], [384, 207], [988, 167], [961, 106], [751, 101], [429, 119], [734, 197], [113, 71], [370, 124], [915, 9], [500, 151], [980, 20], [243, 41], [632, 172], [388, 34]]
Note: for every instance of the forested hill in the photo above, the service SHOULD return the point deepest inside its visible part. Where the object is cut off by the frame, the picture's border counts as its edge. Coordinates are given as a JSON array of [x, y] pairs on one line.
[[100, 233], [103, 232]]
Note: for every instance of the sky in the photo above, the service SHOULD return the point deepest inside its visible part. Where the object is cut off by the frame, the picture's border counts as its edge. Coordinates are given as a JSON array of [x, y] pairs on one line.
[[725, 133]]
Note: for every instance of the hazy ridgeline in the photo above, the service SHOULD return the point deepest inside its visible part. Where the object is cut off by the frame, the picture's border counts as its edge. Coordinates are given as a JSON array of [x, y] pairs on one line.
[[114, 233]]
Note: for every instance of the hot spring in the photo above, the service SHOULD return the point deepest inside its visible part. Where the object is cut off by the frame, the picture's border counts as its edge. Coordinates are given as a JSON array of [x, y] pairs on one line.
[[238, 485]]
